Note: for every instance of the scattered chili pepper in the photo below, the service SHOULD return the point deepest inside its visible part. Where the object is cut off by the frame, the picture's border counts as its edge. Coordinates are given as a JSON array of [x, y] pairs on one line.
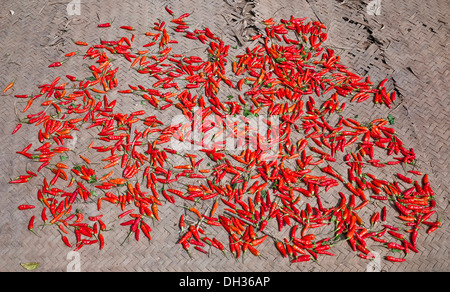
[[277, 75], [9, 86], [26, 207]]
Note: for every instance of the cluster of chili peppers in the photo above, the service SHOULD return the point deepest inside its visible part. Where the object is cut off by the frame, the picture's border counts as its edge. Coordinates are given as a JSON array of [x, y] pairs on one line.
[[288, 74]]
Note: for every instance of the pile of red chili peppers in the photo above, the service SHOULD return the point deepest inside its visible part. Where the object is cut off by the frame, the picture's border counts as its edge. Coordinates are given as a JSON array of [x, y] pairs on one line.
[[287, 74]]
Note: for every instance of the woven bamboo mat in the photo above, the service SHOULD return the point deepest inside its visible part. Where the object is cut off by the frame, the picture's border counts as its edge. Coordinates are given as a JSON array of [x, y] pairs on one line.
[[405, 42]]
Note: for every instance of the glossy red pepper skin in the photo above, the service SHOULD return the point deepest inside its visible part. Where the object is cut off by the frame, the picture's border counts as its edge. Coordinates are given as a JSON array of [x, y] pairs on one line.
[[56, 64], [395, 259], [26, 207], [281, 248]]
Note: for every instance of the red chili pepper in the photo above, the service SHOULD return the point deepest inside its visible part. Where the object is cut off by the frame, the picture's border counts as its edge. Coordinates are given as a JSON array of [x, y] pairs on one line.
[[185, 237], [31, 224], [108, 24], [8, 87], [95, 218], [146, 230], [395, 259], [169, 10], [219, 245], [434, 227], [66, 241], [375, 218], [56, 64], [384, 213], [26, 207], [302, 258], [194, 232], [280, 246], [127, 27], [404, 178]]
